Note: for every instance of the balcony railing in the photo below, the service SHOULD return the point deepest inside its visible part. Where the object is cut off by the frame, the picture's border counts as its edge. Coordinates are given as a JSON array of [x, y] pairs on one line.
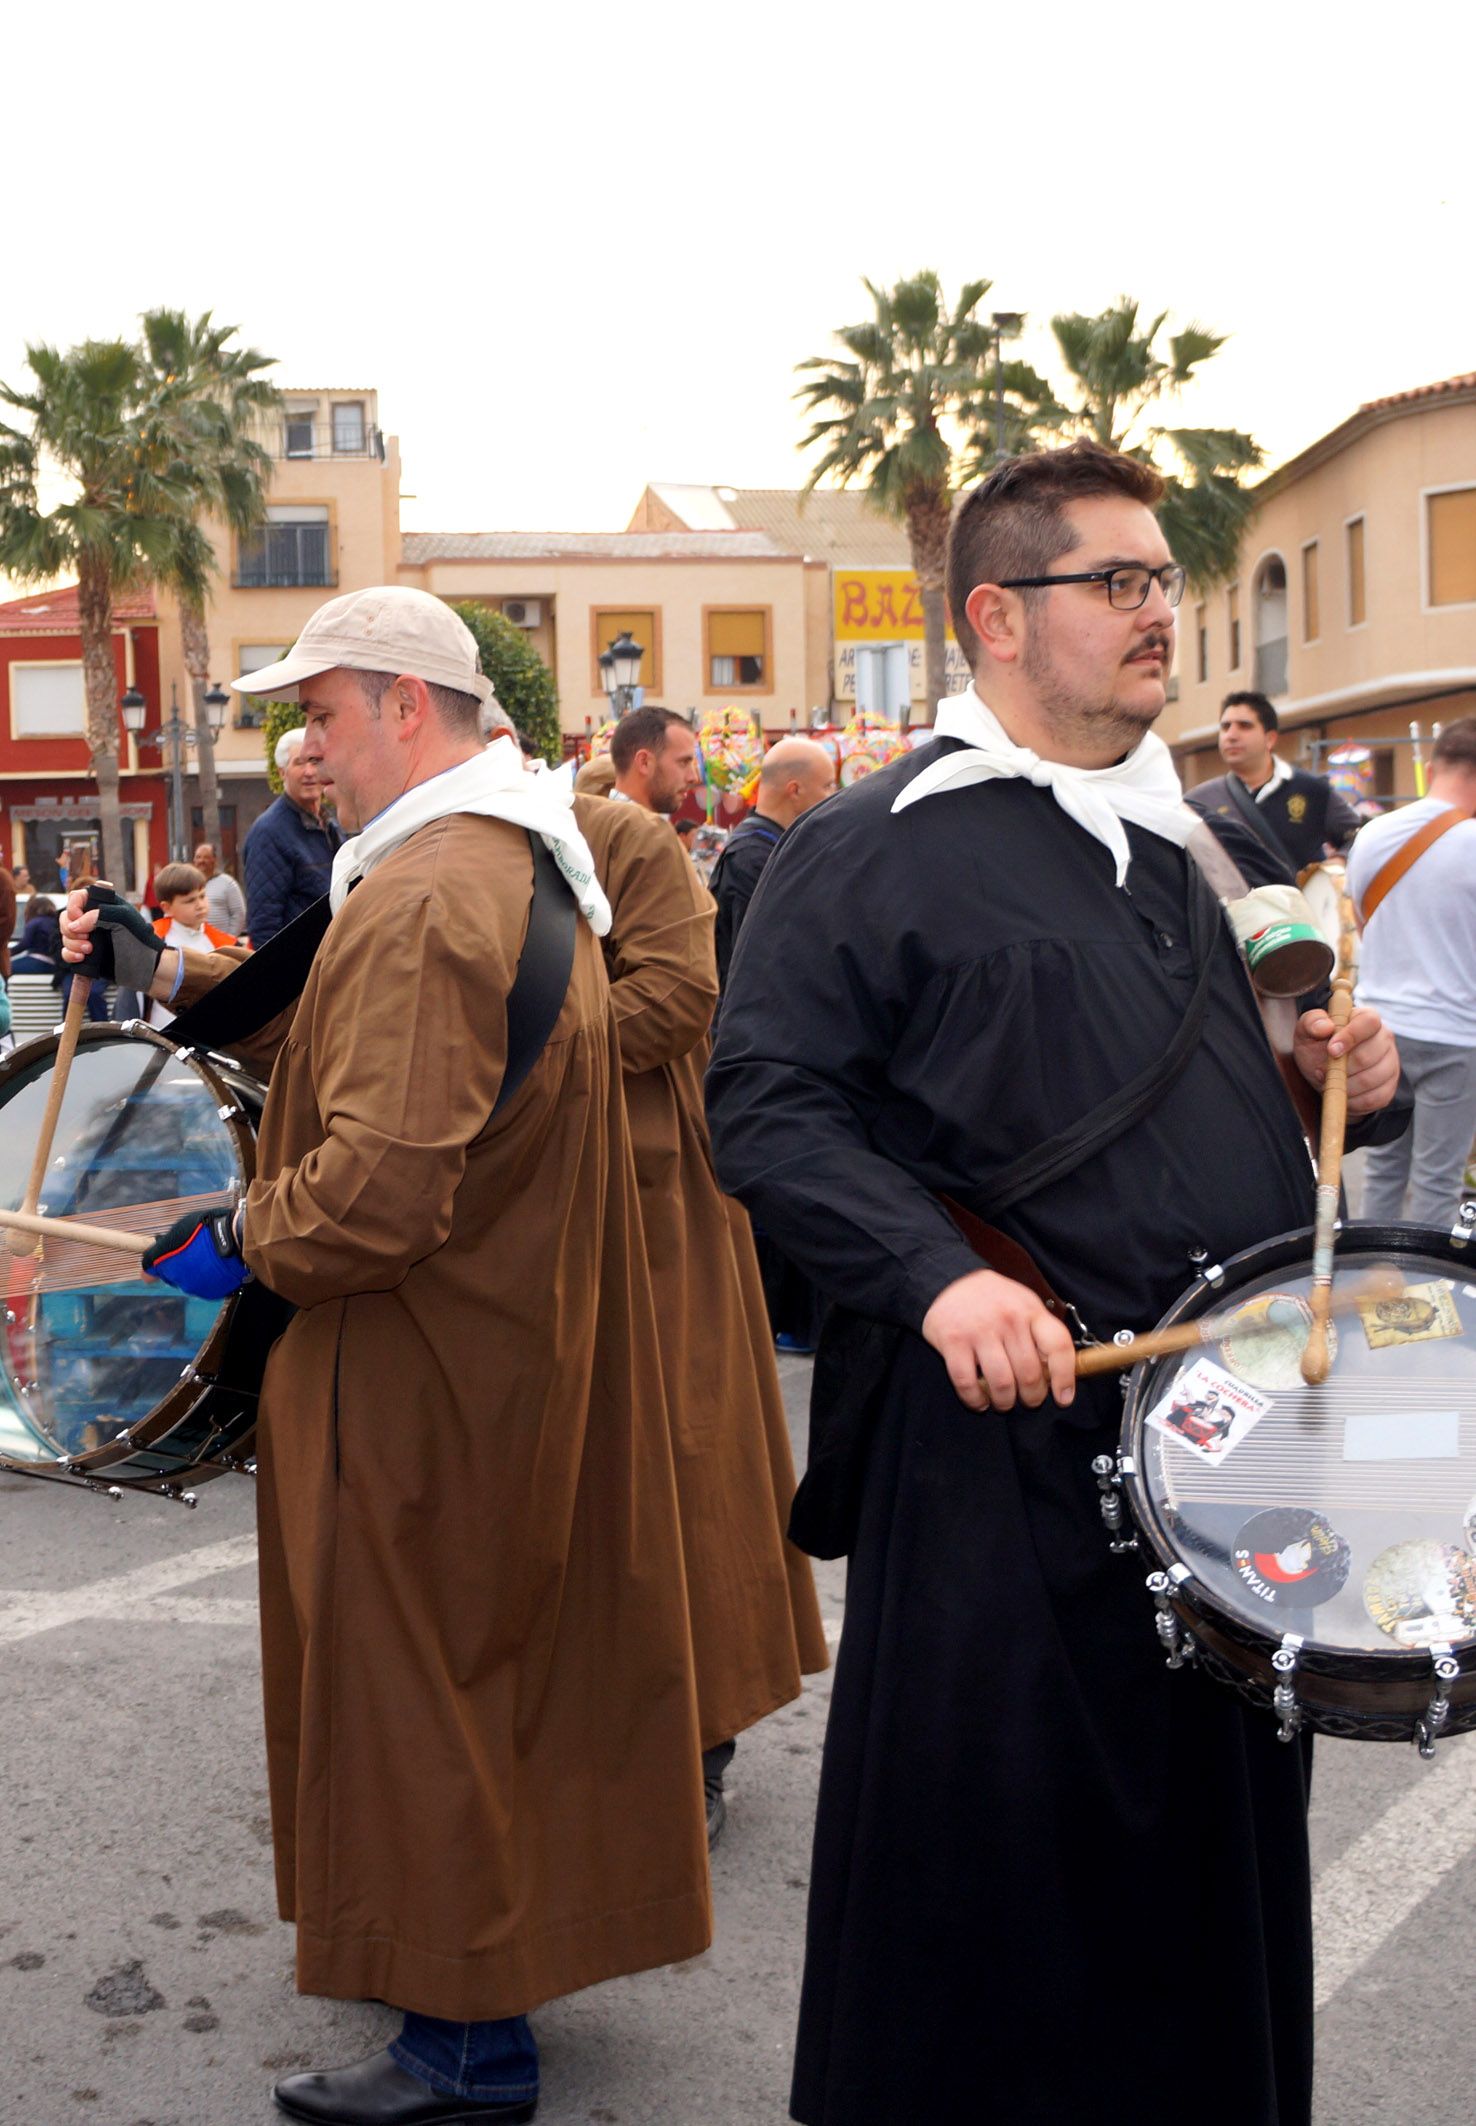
[[317, 439], [1271, 667], [285, 557]]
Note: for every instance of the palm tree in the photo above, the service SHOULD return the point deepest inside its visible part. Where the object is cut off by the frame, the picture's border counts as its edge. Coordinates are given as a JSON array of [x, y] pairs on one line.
[[910, 404], [1121, 379], [101, 421], [227, 402]]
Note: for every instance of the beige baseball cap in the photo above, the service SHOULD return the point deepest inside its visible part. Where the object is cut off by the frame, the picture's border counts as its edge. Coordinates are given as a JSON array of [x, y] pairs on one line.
[[387, 629]]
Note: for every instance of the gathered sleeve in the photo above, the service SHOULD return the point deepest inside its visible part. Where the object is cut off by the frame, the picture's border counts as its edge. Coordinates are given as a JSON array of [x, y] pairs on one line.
[[812, 1012], [659, 955], [400, 1044]]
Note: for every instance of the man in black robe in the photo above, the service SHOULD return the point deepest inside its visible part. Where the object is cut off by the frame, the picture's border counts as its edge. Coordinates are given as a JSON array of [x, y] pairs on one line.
[[1027, 1826]]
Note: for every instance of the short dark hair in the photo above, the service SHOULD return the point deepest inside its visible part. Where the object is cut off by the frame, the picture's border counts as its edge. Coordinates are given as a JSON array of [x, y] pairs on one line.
[[1014, 523], [686, 826], [529, 747], [1456, 745], [1257, 704], [460, 712], [641, 731]]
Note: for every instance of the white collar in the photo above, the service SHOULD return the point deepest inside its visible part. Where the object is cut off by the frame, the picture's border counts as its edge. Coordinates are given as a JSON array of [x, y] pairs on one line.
[[1144, 788], [1281, 771], [492, 785]]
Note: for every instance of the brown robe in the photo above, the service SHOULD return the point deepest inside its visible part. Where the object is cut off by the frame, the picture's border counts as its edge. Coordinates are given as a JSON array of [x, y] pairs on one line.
[[481, 1729], [756, 1624]]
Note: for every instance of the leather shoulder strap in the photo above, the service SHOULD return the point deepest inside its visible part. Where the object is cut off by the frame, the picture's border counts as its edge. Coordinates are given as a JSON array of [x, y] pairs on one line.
[[544, 967], [1406, 857], [1259, 822]]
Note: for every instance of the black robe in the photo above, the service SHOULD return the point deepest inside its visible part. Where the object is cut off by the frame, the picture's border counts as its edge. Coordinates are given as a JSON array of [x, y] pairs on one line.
[[1052, 1880]]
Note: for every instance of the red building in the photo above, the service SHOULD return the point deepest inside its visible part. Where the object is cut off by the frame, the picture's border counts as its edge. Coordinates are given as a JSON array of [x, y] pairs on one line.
[[48, 795]]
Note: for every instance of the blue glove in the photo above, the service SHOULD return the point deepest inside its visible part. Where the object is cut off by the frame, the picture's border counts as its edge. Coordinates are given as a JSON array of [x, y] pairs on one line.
[[198, 1255]]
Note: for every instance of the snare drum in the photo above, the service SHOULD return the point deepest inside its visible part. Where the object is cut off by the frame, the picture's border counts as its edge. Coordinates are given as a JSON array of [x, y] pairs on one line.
[[1316, 1547], [108, 1377]]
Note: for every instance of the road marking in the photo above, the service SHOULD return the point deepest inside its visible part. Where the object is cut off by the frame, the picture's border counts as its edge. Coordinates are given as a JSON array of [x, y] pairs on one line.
[[24, 1613], [202, 1609], [1370, 1890]]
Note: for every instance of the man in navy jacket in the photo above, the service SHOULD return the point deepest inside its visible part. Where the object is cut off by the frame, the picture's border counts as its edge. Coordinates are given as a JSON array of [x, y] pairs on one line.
[[289, 852]]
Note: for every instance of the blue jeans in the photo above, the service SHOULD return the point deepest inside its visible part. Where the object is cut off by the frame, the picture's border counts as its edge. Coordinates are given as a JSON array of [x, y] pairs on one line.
[[494, 2062]]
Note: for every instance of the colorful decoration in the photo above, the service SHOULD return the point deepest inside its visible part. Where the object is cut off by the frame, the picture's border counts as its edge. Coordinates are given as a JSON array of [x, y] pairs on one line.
[[867, 744], [1350, 770], [731, 746], [600, 743]]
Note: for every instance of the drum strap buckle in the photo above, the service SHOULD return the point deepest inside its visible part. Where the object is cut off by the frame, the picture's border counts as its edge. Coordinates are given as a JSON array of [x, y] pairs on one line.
[[1431, 1721], [1284, 1696]]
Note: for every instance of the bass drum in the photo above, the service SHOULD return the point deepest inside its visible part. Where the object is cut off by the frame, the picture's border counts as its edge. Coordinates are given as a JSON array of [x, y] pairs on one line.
[[1316, 1547], [108, 1377]]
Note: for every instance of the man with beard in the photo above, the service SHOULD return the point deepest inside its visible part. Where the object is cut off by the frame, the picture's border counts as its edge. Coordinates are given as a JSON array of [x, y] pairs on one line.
[[1022, 1812], [755, 1621], [654, 755]]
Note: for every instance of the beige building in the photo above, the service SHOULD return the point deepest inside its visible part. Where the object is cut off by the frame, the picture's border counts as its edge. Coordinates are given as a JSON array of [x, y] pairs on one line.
[[1354, 603]]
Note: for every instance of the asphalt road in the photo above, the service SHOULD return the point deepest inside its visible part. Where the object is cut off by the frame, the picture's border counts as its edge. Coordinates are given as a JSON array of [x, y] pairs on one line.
[[145, 1979]]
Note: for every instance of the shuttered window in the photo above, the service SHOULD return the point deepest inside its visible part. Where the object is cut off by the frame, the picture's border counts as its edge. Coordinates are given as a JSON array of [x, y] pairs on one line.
[[1311, 607], [1357, 593], [738, 649], [1452, 529]]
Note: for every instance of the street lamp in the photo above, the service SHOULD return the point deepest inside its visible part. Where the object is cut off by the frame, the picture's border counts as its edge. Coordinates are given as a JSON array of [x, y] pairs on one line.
[[1004, 321], [172, 738], [620, 671]]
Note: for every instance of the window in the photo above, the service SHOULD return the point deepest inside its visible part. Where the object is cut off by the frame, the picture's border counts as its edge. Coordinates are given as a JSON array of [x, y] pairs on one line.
[[47, 701], [1202, 643], [1357, 604], [608, 621], [1311, 609], [738, 649], [291, 548], [1451, 526], [299, 443], [348, 427], [250, 657], [1232, 614]]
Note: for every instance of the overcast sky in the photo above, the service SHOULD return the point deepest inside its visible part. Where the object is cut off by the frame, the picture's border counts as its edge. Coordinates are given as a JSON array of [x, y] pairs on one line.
[[585, 249]]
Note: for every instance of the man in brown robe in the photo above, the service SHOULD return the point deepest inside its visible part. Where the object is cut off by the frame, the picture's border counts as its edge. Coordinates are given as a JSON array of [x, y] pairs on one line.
[[481, 1726], [756, 1624]]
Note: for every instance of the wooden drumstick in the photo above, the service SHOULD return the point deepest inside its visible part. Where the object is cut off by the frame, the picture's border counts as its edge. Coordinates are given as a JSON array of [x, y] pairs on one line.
[[1213, 1329], [1315, 1358], [27, 1223], [17, 1239]]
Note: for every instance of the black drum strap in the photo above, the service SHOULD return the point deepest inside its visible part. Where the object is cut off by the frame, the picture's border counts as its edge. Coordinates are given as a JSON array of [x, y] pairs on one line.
[[266, 984]]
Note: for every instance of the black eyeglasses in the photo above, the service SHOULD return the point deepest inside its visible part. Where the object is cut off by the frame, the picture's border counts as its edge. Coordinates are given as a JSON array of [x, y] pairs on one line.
[[1127, 588]]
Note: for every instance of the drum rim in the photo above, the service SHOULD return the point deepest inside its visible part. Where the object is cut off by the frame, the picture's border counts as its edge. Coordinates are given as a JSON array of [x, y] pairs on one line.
[[1273, 1254], [175, 1408]]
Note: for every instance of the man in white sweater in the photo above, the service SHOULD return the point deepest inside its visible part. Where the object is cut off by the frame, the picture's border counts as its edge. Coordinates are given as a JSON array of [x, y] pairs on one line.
[[1418, 970]]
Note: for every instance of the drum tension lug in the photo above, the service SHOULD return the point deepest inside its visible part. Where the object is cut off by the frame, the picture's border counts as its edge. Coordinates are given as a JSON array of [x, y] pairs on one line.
[[1284, 1696], [1178, 1644], [1460, 1232], [181, 1498], [1212, 1272], [1430, 1723], [1109, 1486]]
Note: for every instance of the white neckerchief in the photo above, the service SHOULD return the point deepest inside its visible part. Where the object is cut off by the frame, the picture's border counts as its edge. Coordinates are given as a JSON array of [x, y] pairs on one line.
[[1281, 771], [493, 786], [1144, 788]]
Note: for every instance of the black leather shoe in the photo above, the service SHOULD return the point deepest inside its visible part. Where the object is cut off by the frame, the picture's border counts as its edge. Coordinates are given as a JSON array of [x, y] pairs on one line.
[[378, 2092], [717, 1811]]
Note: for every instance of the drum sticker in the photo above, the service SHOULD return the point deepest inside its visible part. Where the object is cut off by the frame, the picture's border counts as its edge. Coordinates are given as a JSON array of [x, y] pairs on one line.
[[1291, 1556], [1267, 1337], [1208, 1411], [1418, 1314], [1422, 1593]]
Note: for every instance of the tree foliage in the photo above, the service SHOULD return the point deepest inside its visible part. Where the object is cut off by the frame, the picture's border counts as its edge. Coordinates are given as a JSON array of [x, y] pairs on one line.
[[523, 683], [280, 716], [131, 435], [1121, 375]]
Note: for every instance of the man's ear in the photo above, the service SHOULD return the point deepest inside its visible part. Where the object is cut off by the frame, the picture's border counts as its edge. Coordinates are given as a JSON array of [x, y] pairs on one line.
[[995, 616]]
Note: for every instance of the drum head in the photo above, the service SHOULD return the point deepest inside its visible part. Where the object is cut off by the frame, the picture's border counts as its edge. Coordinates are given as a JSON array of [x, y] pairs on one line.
[[1346, 1513], [91, 1348]]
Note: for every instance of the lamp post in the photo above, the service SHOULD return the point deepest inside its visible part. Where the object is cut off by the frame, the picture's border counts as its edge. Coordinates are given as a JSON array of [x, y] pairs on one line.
[[172, 738], [1004, 321], [620, 671]]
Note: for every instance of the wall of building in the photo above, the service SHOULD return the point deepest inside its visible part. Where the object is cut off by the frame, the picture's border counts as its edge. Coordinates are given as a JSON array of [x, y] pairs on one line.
[[680, 593], [1407, 658]]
